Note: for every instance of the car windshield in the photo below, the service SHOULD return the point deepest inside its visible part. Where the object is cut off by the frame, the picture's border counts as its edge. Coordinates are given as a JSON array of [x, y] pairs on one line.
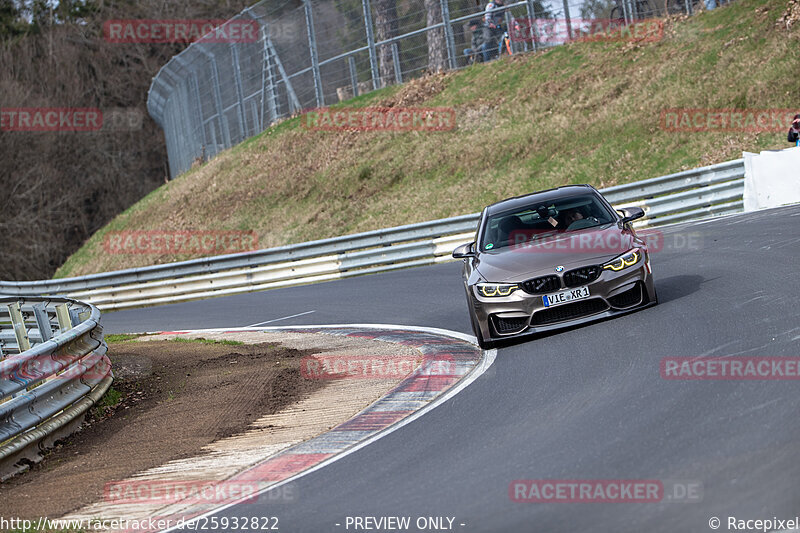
[[539, 219]]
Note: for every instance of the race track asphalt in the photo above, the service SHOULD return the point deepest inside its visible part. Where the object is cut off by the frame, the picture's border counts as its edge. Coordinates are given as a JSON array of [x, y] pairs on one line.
[[586, 403]]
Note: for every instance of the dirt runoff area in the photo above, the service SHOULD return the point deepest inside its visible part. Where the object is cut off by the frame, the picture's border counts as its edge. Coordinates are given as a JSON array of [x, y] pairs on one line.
[[176, 400]]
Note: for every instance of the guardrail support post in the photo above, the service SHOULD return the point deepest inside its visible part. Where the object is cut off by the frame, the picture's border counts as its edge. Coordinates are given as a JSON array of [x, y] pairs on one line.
[[312, 46], [64, 320], [15, 312], [373, 58], [74, 316], [448, 34], [43, 322]]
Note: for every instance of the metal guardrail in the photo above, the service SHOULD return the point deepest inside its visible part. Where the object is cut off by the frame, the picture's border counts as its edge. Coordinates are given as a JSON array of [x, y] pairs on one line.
[[689, 195], [53, 367]]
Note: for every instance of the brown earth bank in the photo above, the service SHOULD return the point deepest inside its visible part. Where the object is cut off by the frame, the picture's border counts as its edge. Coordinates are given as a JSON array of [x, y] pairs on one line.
[[177, 396]]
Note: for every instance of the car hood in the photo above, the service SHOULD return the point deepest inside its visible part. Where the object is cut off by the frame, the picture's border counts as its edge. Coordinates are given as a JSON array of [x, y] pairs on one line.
[[538, 258]]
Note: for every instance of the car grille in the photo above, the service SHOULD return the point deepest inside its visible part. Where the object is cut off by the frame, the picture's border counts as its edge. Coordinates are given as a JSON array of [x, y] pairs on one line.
[[582, 276], [628, 298], [541, 285], [509, 325], [568, 311]]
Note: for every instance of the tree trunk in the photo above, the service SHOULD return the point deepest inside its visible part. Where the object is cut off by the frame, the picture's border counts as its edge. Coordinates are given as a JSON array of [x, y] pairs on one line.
[[437, 45], [385, 28]]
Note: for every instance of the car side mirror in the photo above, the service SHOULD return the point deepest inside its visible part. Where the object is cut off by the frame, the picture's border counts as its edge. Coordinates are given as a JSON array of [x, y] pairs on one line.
[[464, 251], [630, 214]]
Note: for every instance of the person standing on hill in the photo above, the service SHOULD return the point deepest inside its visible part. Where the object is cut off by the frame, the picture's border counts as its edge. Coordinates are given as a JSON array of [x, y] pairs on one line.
[[474, 52], [794, 131], [492, 29]]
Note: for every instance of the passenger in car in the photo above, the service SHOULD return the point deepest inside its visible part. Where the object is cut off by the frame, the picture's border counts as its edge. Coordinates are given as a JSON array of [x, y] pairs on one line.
[[507, 229]]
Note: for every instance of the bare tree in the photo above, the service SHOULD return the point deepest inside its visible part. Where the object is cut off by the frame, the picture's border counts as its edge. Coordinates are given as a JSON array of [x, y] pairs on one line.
[[437, 58], [58, 188], [385, 28]]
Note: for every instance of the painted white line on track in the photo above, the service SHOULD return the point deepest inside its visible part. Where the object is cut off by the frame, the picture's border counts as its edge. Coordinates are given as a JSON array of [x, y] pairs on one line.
[[486, 361], [279, 319]]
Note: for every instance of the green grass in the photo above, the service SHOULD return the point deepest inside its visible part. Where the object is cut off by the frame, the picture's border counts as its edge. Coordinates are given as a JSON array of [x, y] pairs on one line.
[[587, 112], [119, 337], [110, 399]]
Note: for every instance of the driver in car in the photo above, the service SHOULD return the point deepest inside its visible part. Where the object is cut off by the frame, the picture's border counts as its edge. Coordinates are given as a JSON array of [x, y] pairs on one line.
[[568, 216]]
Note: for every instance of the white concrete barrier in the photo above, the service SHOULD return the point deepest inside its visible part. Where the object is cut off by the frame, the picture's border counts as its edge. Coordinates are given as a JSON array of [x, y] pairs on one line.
[[771, 179]]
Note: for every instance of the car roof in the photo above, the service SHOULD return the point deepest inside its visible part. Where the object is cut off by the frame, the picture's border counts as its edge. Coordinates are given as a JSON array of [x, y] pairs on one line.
[[545, 197]]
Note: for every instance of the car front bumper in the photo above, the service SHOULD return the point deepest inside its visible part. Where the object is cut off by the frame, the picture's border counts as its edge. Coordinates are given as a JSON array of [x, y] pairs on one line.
[[521, 313]]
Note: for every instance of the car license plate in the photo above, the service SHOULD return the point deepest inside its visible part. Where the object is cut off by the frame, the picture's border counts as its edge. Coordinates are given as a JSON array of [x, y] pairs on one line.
[[562, 297]]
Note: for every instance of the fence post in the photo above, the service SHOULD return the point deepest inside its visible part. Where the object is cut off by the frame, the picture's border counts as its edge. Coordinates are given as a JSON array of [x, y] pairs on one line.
[[508, 29], [195, 84], [223, 121], [237, 81], [353, 75], [398, 74], [568, 21], [268, 98], [190, 126], [534, 24], [312, 46], [268, 80], [448, 35], [373, 59], [294, 103]]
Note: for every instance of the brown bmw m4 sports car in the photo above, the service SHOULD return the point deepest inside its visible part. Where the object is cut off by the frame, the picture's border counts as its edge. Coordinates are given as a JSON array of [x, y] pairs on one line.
[[552, 259]]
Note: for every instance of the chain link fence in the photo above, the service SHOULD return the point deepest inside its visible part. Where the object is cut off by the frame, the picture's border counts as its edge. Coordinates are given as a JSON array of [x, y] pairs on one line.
[[308, 54]]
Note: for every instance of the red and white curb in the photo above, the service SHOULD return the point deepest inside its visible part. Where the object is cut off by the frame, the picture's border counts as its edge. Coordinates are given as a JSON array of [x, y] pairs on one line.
[[425, 389]]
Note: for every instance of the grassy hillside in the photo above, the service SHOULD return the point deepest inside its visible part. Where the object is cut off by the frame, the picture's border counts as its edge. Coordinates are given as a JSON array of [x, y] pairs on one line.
[[581, 113]]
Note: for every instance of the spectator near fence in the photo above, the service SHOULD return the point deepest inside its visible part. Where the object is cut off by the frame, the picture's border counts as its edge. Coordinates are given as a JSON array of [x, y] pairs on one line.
[[492, 29], [794, 131], [473, 53]]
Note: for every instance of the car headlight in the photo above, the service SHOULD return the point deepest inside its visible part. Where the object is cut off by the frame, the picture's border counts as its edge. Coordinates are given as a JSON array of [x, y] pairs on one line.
[[496, 289], [627, 259]]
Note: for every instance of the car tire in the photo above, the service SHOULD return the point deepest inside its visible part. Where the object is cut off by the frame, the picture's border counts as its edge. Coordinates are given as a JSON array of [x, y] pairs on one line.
[[484, 344]]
